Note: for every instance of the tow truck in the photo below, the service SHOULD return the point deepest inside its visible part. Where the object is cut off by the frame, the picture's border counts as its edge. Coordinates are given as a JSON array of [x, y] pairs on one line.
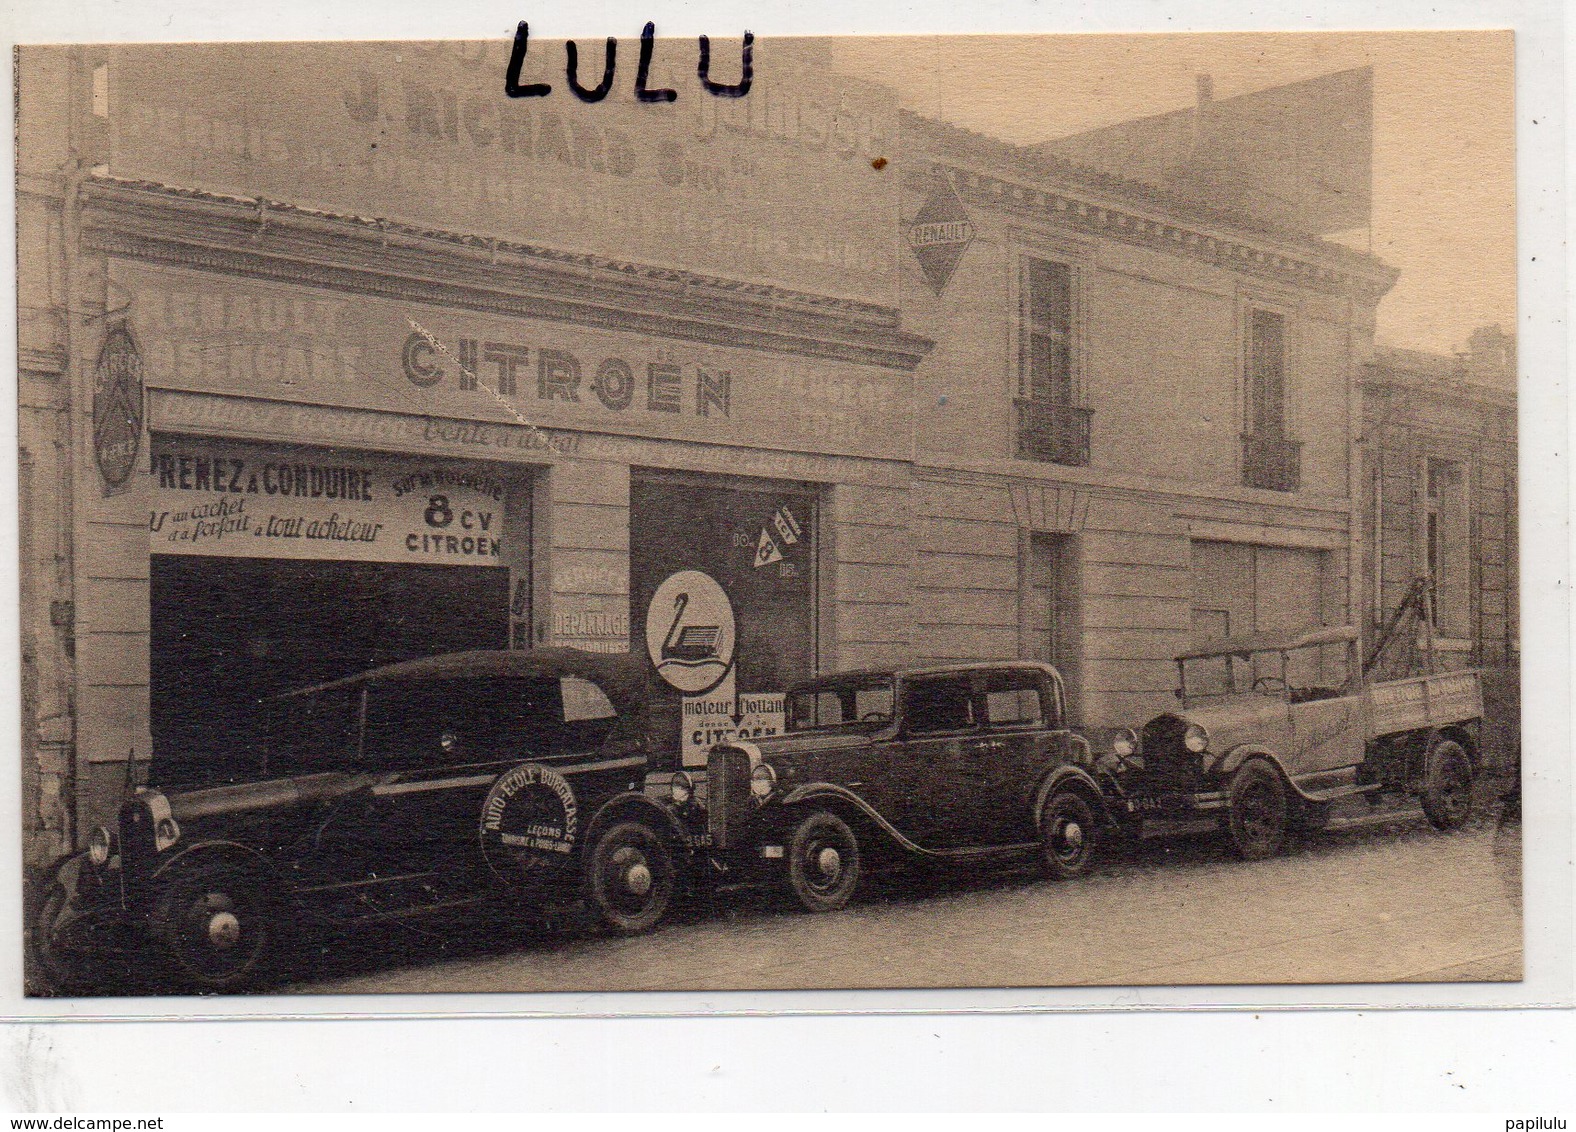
[[1273, 729]]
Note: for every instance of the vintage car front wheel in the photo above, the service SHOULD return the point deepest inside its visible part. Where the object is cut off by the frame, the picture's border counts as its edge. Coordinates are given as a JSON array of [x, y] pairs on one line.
[[1069, 836], [823, 862], [1257, 819], [1447, 785], [57, 965], [630, 881], [214, 926]]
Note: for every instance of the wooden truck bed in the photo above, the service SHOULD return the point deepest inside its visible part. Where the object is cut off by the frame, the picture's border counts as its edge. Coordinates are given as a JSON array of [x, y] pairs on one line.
[[1421, 702]]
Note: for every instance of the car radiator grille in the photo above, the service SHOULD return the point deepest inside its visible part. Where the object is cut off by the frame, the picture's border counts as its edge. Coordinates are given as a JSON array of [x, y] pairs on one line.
[[728, 789]]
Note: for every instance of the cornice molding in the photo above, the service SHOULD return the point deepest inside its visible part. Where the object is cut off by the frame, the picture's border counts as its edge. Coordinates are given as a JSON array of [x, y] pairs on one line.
[[43, 362], [1377, 381], [266, 240], [1328, 268]]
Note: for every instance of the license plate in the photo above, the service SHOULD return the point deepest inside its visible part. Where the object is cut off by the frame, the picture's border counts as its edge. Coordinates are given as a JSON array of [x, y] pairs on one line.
[[1159, 803]]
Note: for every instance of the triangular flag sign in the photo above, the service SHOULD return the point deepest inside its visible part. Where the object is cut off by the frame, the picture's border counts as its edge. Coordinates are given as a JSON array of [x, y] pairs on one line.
[[766, 551], [787, 526]]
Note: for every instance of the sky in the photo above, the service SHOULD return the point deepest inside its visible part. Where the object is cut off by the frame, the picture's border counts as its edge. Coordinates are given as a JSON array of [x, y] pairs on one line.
[[1444, 133]]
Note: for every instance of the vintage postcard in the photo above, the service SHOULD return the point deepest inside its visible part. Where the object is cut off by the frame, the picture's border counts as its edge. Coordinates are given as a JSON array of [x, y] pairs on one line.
[[749, 513]]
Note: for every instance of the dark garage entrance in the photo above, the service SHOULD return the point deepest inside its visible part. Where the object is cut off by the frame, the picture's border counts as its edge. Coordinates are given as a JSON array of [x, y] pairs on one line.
[[274, 568], [229, 632], [755, 543]]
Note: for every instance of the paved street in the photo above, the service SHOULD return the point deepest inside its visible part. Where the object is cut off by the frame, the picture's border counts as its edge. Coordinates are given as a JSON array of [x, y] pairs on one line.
[[1377, 900]]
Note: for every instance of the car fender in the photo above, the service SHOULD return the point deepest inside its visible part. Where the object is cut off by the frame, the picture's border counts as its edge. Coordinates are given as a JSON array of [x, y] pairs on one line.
[[66, 871], [1229, 763], [1458, 733], [66, 939], [1073, 777], [829, 791], [633, 804], [231, 852], [98, 895]]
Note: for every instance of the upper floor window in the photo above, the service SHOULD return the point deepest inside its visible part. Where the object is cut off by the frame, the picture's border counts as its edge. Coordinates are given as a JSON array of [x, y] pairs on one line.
[[1269, 458], [1447, 538], [1048, 331], [1267, 373], [1051, 424]]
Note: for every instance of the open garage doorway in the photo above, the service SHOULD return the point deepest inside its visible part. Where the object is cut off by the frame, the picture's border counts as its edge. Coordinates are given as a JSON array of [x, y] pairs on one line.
[[230, 632]]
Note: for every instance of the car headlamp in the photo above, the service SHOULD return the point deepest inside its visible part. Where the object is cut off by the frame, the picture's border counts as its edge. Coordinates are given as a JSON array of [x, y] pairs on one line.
[[165, 830], [763, 780], [1195, 739], [101, 844], [1125, 743], [681, 788]]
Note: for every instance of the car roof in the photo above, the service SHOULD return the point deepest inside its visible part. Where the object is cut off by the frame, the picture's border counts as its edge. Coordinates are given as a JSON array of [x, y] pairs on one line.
[[905, 672], [1270, 642], [621, 675]]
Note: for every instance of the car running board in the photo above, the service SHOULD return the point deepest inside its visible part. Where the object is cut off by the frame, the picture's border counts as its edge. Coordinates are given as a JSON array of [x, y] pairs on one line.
[[1335, 792]]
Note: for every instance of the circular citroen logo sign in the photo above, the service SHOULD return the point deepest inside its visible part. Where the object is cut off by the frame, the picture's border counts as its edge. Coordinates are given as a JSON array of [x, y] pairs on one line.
[[689, 631]]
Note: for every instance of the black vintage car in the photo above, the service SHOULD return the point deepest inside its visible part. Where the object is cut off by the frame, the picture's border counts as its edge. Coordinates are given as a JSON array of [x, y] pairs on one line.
[[423, 787], [964, 762]]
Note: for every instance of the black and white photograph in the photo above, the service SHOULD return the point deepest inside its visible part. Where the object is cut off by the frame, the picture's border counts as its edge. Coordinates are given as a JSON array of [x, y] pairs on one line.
[[750, 513]]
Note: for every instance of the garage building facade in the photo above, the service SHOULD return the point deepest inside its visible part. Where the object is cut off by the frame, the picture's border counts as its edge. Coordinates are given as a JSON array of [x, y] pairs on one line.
[[393, 366], [404, 367]]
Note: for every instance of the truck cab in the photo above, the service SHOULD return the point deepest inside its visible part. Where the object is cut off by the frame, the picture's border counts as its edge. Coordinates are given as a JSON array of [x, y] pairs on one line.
[[1299, 694]]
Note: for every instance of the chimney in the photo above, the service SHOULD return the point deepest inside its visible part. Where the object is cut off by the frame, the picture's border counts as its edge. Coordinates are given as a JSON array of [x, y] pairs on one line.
[[1206, 89], [1491, 353]]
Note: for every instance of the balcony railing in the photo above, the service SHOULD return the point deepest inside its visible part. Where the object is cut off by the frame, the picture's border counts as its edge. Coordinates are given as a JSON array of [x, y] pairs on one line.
[[1271, 462], [1053, 432]]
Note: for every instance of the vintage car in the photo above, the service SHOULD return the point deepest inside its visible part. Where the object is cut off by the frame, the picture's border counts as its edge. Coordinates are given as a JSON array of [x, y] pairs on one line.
[[428, 786], [1273, 729], [940, 764]]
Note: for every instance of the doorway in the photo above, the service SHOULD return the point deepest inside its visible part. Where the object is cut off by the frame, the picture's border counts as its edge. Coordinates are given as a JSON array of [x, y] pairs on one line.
[[228, 633], [1050, 627]]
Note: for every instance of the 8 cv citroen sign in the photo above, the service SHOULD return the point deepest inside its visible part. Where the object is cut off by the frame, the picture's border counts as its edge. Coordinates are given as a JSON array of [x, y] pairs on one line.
[[249, 501]]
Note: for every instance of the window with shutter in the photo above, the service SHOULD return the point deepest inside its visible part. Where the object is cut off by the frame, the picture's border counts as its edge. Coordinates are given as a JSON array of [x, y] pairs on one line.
[[1270, 459], [1052, 426], [1447, 539]]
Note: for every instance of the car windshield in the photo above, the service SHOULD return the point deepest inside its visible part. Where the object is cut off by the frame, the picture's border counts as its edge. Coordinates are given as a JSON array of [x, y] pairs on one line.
[[864, 701], [1313, 672]]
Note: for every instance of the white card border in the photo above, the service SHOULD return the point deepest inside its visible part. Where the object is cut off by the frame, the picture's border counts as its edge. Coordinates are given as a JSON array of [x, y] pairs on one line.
[[1545, 436]]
